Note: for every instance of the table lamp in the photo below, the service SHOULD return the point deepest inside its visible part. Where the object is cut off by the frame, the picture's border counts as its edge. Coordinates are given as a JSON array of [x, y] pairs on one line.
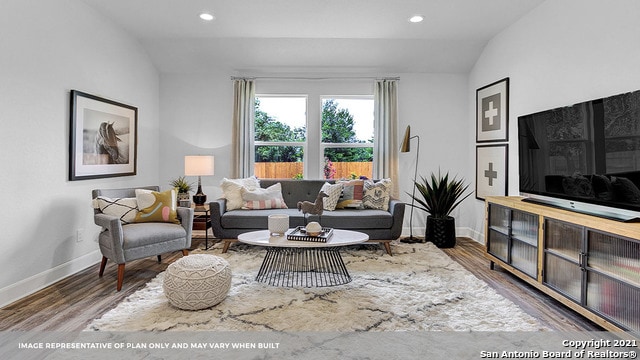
[[198, 165]]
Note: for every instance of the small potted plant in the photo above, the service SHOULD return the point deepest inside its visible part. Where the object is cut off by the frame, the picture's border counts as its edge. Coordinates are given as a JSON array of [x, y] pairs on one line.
[[438, 196], [182, 186]]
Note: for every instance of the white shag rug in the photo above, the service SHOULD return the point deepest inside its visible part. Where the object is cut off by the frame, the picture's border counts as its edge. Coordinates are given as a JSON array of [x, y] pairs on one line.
[[419, 288]]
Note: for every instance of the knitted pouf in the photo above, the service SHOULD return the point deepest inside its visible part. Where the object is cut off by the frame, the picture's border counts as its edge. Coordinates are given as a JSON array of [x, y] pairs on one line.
[[197, 281]]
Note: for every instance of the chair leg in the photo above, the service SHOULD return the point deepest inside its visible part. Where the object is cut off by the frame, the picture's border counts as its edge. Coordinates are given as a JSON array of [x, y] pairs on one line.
[[120, 276], [387, 247], [185, 252], [159, 258], [103, 264]]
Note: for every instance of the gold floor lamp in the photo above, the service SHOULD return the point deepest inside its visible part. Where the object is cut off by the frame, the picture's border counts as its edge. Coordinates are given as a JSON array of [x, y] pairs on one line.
[[406, 147]]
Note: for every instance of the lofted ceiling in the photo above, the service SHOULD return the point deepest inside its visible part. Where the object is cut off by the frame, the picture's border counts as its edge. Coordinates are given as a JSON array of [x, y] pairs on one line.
[[314, 36]]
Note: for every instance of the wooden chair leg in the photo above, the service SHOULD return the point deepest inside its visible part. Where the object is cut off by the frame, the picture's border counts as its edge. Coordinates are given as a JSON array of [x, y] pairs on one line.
[[387, 246], [120, 276], [159, 258], [103, 264], [185, 252], [227, 242]]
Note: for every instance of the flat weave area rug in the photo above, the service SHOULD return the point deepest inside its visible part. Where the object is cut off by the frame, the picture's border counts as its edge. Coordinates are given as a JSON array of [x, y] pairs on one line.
[[418, 289]]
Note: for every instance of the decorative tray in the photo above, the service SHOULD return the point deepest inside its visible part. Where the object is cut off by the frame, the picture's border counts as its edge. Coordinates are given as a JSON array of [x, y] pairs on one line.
[[300, 234]]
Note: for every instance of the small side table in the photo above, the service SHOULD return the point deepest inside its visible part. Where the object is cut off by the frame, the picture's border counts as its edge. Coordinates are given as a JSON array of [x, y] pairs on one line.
[[202, 221]]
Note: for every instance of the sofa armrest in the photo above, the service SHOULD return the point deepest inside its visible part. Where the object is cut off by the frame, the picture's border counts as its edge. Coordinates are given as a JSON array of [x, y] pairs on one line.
[[396, 208], [216, 209], [185, 215]]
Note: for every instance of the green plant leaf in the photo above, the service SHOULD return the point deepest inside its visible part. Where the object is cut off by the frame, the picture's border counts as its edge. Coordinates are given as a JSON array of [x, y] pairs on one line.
[[439, 195]]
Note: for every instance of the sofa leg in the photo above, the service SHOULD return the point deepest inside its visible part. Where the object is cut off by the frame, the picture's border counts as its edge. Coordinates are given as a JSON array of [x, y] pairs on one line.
[[103, 264], [185, 252], [159, 258], [387, 246], [227, 242], [120, 276]]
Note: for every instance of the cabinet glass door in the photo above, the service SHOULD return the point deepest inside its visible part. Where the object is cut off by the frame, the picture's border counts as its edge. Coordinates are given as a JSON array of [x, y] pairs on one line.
[[563, 249], [613, 278], [498, 242], [524, 246]]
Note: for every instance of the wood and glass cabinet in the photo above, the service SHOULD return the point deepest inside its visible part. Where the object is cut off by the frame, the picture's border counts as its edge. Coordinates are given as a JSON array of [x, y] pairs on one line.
[[589, 264]]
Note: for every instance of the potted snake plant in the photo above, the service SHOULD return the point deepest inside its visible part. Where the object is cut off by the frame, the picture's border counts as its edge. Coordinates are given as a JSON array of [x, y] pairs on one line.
[[438, 196]]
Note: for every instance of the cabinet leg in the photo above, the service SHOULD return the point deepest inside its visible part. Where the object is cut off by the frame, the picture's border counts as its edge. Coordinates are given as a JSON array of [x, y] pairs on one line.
[[492, 265]]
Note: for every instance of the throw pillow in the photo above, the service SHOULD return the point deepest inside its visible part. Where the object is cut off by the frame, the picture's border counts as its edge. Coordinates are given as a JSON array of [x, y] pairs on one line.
[[377, 195], [259, 198], [156, 206], [334, 191], [124, 208], [352, 192], [232, 190]]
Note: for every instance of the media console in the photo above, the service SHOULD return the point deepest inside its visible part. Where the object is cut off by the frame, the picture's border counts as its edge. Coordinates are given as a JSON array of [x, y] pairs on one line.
[[588, 263]]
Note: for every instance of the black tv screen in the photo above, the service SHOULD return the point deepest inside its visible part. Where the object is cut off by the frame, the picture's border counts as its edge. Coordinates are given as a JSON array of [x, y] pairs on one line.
[[584, 157]]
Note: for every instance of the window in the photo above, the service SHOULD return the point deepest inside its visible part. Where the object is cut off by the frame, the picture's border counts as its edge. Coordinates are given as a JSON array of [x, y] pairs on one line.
[[347, 137], [337, 138], [280, 136]]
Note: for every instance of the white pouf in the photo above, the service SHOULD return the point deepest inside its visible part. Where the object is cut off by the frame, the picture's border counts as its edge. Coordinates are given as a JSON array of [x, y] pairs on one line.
[[197, 281]]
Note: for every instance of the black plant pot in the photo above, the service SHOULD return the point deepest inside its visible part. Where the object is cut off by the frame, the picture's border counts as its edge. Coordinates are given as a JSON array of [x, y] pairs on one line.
[[441, 231]]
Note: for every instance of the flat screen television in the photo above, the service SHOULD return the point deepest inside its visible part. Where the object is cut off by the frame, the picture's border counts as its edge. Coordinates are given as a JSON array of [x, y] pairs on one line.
[[584, 157]]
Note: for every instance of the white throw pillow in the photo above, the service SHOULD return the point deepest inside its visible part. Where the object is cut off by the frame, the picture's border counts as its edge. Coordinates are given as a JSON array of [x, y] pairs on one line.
[[124, 208], [259, 198], [232, 190], [377, 195], [334, 191]]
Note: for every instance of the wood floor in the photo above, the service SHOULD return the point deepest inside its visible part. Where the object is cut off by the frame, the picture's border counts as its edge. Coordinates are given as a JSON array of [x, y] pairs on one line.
[[71, 304]]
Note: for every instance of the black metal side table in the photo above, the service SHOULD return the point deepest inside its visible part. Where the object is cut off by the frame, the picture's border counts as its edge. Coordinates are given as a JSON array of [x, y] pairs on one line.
[[202, 221]]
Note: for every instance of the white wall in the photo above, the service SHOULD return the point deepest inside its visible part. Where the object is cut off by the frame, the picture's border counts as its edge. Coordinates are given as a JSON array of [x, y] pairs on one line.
[[48, 48], [561, 53]]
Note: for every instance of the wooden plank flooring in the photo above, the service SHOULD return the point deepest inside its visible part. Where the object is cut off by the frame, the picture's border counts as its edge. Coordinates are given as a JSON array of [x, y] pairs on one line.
[[71, 304]]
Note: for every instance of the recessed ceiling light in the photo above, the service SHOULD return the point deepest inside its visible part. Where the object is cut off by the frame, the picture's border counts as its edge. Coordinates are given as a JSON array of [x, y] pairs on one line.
[[206, 16], [416, 18]]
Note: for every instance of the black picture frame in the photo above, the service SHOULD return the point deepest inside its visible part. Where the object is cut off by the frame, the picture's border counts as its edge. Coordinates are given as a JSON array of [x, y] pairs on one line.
[[102, 137], [492, 170], [492, 112]]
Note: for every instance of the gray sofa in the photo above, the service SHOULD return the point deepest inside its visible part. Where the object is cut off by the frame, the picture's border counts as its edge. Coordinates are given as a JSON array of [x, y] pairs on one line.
[[381, 226]]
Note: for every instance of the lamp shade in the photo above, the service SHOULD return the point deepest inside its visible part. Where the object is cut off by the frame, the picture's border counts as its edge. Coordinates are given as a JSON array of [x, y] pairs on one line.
[[198, 165], [406, 141]]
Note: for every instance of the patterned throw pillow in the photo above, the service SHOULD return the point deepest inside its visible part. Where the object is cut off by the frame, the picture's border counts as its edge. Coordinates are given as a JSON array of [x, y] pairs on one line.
[[124, 208], [377, 195], [334, 191], [232, 189], [259, 198], [157, 206], [352, 192]]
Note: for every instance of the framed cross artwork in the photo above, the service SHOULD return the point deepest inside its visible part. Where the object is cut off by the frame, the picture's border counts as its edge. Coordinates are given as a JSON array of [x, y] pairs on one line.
[[492, 112], [491, 170]]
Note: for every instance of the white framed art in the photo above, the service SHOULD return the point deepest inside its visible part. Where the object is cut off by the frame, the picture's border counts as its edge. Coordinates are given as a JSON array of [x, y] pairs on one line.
[[491, 170], [492, 112]]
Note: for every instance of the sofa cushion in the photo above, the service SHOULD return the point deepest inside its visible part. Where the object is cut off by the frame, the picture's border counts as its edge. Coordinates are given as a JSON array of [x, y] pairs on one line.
[[377, 194], [333, 191], [258, 219], [352, 192], [232, 190], [259, 198], [156, 206], [354, 219]]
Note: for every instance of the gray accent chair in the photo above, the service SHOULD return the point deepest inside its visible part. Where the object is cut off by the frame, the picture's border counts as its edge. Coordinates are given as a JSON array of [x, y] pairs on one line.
[[123, 243]]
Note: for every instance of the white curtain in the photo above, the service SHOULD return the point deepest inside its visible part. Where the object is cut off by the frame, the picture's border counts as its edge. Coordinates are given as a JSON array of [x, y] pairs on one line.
[[243, 114], [385, 146]]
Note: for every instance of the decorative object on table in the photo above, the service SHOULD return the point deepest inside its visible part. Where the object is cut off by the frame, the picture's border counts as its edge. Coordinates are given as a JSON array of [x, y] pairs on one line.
[[197, 281], [312, 208], [313, 228], [491, 170], [439, 195], [405, 148], [300, 233], [199, 165], [102, 137], [278, 224], [492, 112], [183, 187]]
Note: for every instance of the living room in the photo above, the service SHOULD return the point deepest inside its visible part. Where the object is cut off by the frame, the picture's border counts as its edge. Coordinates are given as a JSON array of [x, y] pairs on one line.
[[555, 53]]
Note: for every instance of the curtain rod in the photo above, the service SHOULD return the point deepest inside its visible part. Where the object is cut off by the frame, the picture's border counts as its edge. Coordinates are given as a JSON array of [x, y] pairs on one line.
[[312, 78]]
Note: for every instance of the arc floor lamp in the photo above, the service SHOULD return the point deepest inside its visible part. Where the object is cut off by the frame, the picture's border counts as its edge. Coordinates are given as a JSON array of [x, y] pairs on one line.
[[406, 147]]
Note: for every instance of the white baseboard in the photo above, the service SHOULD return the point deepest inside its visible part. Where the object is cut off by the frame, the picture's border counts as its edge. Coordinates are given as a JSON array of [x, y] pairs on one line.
[[37, 282], [460, 231]]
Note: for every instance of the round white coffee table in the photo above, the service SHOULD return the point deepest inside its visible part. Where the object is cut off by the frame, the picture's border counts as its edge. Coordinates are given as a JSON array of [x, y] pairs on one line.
[[303, 263]]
